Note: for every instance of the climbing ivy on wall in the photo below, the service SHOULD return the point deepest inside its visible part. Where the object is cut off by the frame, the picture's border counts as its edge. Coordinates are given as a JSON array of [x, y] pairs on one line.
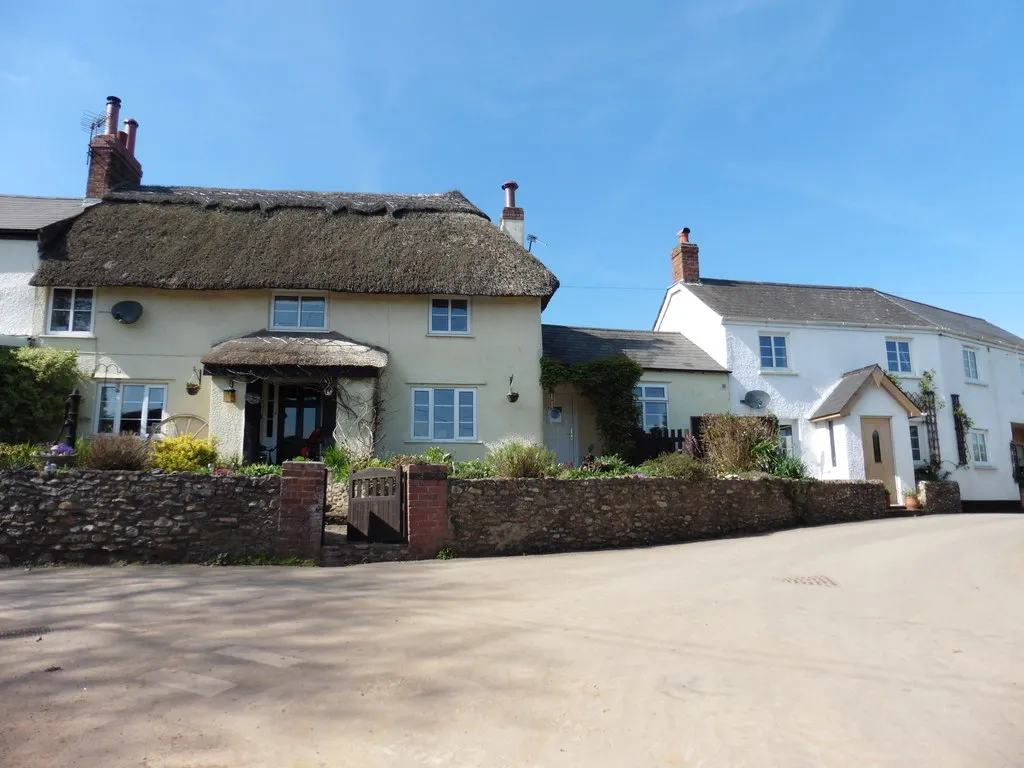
[[608, 384]]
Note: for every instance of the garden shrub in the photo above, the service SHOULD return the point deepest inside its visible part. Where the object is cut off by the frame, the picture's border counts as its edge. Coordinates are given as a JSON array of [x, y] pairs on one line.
[[337, 460], [257, 470], [519, 457], [122, 451], [679, 465], [474, 469], [184, 453], [435, 454], [19, 456], [734, 444], [35, 383], [791, 467]]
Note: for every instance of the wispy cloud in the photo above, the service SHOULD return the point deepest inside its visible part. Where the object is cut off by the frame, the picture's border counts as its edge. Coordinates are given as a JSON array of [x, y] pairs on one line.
[[16, 80]]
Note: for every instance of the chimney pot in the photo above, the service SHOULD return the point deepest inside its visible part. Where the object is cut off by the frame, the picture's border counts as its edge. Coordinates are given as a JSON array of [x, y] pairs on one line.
[[113, 112], [684, 235], [131, 125], [510, 188]]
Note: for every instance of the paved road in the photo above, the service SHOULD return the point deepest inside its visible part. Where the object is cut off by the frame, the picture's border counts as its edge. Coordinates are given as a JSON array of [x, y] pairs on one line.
[[890, 643]]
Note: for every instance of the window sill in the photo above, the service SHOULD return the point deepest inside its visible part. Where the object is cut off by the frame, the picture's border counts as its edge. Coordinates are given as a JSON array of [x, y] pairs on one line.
[[299, 330], [68, 335], [976, 382], [778, 372], [989, 467], [896, 375], [424, 441], [453, 335]]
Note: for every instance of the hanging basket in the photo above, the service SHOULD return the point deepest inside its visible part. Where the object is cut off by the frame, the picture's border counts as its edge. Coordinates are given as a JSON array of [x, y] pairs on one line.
[[192, 387]]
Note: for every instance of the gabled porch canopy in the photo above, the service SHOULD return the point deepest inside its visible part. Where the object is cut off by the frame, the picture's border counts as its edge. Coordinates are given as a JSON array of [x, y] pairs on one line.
[[840, 400], [277, 354]]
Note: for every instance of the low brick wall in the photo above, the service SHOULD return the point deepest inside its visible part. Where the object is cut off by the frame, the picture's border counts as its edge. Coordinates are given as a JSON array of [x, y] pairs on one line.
[[99, 517], [496, 517], [939, 498]]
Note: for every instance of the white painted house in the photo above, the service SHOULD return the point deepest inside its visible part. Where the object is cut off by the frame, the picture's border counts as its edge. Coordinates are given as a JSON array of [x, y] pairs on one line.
[[813, 350], [21, 218]]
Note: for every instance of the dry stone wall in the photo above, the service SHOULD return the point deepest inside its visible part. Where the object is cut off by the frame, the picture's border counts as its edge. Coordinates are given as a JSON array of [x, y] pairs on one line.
[[503, 517], [99, 517]]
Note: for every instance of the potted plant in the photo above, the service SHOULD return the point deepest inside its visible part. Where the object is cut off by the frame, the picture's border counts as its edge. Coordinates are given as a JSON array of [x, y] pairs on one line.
[[910, 500], [192, 387], [59, 455]]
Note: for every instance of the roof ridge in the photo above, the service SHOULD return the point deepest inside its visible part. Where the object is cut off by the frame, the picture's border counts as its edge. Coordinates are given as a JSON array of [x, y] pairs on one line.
[[614, 330], [172, 188], [713, 280], [43, 197]]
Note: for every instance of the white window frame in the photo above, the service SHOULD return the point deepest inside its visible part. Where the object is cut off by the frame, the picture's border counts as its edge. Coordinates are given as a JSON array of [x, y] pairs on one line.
[[300, 295], [910, 355], [643, 399], [981, 434], [119, 387], [787, 444], [917, 430], [449, 299], [969, 354], [773, 335], [414, 438], [71, 319]]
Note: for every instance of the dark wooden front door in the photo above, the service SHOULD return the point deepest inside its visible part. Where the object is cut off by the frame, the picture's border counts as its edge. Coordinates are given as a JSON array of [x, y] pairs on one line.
[[300, 410]]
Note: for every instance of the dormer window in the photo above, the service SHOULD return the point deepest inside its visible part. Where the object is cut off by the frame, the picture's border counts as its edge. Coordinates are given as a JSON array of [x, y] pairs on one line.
[[294, 312], [449, 317]]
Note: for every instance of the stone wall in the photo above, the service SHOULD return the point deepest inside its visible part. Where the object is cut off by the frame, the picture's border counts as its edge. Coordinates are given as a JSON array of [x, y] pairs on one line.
[[939, 498], [337, 503], [494, 517], [100, 517]]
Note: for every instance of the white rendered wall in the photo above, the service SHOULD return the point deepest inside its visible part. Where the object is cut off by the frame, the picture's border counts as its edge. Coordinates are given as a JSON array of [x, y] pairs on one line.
[[682, 312], [18, 262]]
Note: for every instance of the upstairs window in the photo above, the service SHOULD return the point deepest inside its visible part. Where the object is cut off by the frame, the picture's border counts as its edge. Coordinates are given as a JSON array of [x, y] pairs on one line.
[[449, 316], [299, 313], [971, 364], [71, 310], [653, 402], [774, 355], [897, 356]]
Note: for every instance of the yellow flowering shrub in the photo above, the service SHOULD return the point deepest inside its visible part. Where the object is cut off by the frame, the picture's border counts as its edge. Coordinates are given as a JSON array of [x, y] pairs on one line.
[[186, 453]]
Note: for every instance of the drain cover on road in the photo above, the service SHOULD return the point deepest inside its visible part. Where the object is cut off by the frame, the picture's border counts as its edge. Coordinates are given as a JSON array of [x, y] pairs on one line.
[[811, 581], [7, 634]]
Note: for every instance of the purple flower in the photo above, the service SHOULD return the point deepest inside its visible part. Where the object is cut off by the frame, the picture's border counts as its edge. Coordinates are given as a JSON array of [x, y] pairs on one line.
[[61, 449]]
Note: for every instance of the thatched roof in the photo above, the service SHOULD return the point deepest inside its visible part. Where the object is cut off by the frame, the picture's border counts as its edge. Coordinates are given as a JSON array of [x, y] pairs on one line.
[[266, 350], [224, 239]]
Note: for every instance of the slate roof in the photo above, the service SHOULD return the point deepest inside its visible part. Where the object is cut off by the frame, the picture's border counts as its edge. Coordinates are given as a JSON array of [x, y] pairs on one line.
[[840, 399], [194, 238], [789, 303], [21, 213], [654, 350]]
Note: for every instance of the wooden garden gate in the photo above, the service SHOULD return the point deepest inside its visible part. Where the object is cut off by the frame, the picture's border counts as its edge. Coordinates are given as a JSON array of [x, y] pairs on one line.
[[375, 505]]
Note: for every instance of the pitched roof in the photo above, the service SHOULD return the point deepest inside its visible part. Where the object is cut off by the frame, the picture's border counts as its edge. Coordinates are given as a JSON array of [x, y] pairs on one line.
[[223, 239], [839, 402], [22, 213], [654, 350], [789, 303]]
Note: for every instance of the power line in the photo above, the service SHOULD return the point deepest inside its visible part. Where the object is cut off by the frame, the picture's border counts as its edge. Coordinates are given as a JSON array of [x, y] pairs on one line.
[[909, 293]]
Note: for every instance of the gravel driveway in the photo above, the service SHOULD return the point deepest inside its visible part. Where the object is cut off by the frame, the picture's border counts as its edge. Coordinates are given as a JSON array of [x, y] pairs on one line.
[[888, 643]]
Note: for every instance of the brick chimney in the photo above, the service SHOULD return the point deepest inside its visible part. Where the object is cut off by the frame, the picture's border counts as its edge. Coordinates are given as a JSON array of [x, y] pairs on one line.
[[112, 160], [513, 221], [685, 259]]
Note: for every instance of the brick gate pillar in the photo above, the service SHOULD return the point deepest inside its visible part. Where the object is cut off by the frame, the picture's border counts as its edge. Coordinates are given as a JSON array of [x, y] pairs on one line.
[[300, 526], [426, 508]]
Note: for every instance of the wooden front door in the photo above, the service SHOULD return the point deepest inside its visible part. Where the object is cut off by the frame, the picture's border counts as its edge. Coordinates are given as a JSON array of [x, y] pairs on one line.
[[299, 412], [878, 459]]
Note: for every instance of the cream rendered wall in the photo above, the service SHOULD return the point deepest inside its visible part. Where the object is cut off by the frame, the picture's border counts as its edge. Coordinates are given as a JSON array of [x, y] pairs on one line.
[[682, 312], [18, 261], [178, 327], [691, 394]]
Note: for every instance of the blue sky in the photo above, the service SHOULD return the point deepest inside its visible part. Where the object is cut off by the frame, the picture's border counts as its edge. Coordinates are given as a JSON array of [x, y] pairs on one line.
[[816, 141]]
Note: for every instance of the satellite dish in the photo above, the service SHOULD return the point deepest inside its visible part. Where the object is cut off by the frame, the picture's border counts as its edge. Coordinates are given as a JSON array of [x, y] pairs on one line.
[[756, 399], [126, 312]]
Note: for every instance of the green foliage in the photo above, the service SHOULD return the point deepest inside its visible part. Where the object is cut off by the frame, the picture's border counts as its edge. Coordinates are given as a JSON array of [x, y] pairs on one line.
[[966, 422], [257, 470], [337, 460], [910, 493], [19, 456], [122, 451], [435, 454], [608, 384], [297, 458], [612, 466], [35, 383], [82, 449], [185, 453], [226, 559], [518, 457], [735, 444], [791, 467], [447, 553], [678, 465], [473, 469]]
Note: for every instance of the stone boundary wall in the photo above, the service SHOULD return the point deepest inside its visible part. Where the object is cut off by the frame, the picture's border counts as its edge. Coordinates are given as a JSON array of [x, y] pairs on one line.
[[505, 517], [939, 498], [98, 517]]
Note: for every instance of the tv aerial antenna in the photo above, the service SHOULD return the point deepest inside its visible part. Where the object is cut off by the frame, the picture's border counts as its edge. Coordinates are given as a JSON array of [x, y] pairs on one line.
[[90, 123], [530, 240]]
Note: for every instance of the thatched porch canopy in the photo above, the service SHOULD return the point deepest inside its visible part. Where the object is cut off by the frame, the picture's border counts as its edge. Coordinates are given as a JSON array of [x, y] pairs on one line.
[[268, 354]]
